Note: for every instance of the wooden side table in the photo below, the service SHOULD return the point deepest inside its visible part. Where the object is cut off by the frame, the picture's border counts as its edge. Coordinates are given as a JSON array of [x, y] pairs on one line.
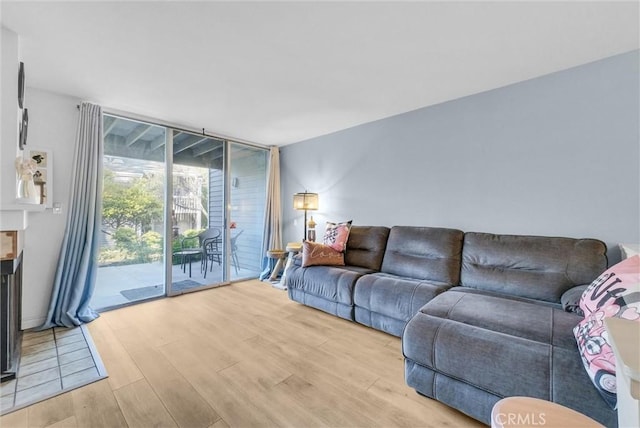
[[293, 248], [624, 336], [529, 412], [279, 256]]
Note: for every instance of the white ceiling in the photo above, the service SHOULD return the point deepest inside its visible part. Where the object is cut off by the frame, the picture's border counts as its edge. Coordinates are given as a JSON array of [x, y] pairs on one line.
[[281, 72]]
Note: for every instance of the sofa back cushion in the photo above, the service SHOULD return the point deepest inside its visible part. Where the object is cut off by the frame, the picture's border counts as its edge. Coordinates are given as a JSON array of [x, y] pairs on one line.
[[427, 253], [534, 267], [365, 247]]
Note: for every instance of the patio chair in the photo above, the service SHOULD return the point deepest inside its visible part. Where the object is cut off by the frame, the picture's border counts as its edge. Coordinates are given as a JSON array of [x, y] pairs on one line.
[[212, 232], [210, 241], [186, 253], [234, 252]]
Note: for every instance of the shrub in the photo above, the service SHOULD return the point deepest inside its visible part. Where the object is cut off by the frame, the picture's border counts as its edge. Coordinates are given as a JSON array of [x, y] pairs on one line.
[[126, 238]]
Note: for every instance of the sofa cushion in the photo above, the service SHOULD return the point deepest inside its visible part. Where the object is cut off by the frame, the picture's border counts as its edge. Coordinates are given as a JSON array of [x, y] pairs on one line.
[[314, 254], [534, 267], [332, 283], [381, 299], [336, 235], [504, 315], [478, 338], [366, 245], [424, 253]]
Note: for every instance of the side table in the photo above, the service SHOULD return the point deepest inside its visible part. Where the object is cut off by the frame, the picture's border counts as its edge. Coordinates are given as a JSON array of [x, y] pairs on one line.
[[276, 255], [624, 336], [187, 255], [529, 412], [293, 248]]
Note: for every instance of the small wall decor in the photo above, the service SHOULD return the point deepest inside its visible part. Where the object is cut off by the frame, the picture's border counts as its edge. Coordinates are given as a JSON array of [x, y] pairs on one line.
[[21, 85], [43, 177], [24, 125]]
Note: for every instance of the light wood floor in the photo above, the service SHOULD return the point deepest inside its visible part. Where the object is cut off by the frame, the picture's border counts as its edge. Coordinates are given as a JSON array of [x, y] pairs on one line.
[[240, 356]]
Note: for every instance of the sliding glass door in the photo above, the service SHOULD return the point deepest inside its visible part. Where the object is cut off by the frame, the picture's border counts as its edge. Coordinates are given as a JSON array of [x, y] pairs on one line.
[[197, 214], [181, 211], [131, 256], [247, 197]]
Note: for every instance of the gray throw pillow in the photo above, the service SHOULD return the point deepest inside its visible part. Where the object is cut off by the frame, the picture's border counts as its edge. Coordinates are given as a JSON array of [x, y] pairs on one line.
[[571, 299]]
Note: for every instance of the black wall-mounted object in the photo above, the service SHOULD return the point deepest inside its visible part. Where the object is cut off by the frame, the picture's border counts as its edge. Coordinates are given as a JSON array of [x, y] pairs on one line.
[[21, 85], [24, 124]]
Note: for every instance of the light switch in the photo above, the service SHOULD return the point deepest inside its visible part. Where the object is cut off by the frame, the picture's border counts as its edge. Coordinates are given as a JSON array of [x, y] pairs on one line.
[[57, 207]]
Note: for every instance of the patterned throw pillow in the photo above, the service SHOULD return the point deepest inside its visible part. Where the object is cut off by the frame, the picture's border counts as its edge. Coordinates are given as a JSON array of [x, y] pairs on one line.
[[314, 254], [610, 288], [615, 293], [336, 235]]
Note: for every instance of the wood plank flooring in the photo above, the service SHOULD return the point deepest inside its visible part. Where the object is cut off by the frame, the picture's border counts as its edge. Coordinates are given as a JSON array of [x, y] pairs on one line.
[[240, 356]]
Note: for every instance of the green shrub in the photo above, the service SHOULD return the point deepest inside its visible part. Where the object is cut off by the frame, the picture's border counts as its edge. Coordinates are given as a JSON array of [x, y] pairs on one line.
[[133, 249], [112, 256], [150, 247], [126, 238]]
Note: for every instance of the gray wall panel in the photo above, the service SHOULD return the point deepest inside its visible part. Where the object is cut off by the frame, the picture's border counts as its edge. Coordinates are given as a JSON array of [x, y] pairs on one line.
[[556, 155]]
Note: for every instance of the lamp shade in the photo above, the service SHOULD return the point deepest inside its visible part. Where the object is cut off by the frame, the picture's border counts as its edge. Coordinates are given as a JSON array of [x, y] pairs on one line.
[[305, 201]]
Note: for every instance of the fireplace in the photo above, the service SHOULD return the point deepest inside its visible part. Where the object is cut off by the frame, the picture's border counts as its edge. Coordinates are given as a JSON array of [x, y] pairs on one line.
[[10, 315]]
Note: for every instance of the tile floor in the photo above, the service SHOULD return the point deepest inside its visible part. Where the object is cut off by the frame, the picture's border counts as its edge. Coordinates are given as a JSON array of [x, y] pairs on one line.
[[52, 361]]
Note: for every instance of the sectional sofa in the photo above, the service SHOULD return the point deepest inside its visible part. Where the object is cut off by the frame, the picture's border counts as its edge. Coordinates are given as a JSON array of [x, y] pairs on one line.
[[479, 314]]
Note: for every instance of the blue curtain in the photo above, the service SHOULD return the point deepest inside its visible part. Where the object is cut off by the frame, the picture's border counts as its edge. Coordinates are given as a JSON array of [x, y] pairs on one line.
[[272, 236], [77, 268]]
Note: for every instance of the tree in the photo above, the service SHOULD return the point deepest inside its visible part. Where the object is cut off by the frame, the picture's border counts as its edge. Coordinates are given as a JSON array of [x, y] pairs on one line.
[[135, 203]]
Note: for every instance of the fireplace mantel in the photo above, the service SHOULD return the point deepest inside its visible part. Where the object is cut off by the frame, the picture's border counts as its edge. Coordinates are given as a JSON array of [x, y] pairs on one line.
[[14, 217]]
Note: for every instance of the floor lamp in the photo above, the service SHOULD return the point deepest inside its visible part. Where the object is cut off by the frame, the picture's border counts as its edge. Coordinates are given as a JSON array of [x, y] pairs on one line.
[[305, 202]]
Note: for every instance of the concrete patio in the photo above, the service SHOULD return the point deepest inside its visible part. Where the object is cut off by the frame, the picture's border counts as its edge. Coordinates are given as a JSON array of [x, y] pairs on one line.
[[112, 280]]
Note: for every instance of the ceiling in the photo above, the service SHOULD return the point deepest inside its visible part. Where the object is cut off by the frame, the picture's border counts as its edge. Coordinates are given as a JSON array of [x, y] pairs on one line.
[[281, 72], [125, 138]]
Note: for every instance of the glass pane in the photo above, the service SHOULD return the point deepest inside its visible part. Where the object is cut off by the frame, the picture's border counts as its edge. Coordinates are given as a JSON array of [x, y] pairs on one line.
[[130, 259], [248, 186], [197, 214]]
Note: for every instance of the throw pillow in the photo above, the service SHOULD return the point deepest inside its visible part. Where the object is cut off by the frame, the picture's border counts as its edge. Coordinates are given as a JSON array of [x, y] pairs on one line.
[[571, 299], [336, 235], [610, 287], [314, 254], [615, 293]]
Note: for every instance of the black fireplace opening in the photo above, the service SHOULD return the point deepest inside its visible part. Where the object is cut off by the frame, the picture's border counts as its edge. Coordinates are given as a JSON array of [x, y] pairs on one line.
[[10, 317]]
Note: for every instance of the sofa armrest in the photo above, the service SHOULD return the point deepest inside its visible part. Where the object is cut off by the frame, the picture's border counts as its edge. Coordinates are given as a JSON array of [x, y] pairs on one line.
[[570, 299], [297, 259]]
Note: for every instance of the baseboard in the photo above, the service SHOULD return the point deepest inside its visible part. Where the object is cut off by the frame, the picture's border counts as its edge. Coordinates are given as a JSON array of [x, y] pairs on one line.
[[32, 323]]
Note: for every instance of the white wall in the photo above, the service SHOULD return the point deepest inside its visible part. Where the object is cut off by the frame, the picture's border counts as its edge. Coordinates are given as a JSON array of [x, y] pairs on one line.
[[557, 155], [9, 114], [52, 125]]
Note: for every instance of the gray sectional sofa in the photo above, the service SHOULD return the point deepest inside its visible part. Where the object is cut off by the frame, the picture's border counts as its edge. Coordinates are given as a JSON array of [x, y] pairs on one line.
[[479, 314]]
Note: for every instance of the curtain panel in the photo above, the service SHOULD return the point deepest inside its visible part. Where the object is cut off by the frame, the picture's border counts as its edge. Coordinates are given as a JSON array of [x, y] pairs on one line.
[[272, 237], [77, 265]]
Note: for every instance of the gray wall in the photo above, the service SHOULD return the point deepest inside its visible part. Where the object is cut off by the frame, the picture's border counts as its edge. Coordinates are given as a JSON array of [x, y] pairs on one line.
[[556, 155]]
